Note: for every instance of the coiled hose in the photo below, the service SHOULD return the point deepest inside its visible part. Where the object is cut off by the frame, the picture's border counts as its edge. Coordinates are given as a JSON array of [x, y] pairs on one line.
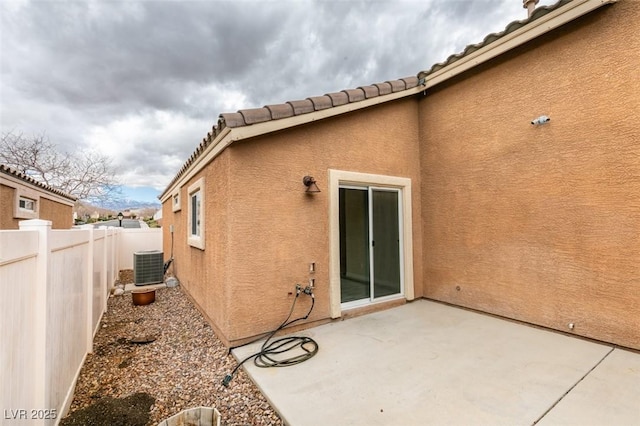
[[266, 357]]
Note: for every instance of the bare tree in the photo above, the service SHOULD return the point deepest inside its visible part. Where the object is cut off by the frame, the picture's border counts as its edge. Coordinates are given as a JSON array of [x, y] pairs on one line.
[[87, 175]]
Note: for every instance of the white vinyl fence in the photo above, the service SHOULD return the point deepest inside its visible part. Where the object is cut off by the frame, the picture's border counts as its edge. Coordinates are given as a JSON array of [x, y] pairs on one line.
[[54, 286]]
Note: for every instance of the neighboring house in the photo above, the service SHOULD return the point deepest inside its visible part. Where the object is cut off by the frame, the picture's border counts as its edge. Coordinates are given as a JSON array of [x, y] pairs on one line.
[[157, 216], [22, 198], [434, 186]]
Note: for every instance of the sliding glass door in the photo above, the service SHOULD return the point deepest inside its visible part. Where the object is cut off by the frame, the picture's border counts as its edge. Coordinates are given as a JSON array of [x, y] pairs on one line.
[[370, 244]]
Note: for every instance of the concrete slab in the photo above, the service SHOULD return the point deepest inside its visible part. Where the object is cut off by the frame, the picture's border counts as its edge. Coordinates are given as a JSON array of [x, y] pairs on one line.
[[426, 363], [609, 395], [132, 287]]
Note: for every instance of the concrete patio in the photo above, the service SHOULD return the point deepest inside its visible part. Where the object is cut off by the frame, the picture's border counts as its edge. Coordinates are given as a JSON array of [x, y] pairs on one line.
[[426, 363]]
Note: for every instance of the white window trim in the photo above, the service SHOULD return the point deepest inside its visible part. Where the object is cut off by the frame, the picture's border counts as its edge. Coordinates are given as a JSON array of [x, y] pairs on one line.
[[26, 202], [25, 194], [175, 206], [339, 177], [196, 240]]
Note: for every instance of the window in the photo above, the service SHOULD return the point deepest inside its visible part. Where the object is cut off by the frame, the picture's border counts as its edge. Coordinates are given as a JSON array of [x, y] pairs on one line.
[[27, 204], [195, 213], [196, 223], [175, 201]]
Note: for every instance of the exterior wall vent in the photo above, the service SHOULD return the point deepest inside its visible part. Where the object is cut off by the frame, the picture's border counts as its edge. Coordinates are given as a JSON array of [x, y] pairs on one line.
[[148, 267]]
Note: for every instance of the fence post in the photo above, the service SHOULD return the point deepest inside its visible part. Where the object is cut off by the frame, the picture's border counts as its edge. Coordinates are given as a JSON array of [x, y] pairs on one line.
[[40, 388], [104, 285], [89, 301]]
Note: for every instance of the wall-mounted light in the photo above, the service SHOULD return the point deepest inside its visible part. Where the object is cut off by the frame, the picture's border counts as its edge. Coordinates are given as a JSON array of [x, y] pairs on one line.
[[540, 120], [310, 183]]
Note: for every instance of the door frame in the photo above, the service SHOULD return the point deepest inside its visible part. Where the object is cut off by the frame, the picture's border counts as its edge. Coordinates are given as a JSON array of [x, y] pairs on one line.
[[340, 177]]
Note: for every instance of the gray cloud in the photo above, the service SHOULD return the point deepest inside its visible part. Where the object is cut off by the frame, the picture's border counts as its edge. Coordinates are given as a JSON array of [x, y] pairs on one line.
[[150, 77]]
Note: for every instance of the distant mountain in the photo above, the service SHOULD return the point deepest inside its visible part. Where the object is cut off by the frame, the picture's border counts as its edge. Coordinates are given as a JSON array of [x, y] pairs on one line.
[[124, 204]]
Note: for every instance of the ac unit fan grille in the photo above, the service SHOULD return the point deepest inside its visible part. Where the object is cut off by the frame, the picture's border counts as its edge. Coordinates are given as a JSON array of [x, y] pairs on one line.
[[148, 267]]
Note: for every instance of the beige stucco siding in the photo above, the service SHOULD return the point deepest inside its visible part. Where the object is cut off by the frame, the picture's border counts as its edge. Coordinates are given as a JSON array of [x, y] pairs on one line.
[[60, 215], [7, 196], [203, 273], [276, 230], [541, 224]]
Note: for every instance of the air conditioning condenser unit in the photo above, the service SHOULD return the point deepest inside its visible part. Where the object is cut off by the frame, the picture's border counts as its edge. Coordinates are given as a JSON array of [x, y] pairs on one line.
[[148, 267]]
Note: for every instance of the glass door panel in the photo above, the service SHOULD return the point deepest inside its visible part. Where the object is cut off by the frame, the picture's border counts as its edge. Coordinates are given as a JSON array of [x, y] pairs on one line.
[[355, 282], [385, 243]]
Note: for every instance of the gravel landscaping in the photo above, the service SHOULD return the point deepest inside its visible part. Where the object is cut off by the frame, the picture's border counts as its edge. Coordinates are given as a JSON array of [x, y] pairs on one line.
[[181, 367]]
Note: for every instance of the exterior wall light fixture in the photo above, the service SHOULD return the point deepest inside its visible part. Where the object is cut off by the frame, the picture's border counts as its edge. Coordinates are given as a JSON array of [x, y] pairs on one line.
[[310, 183], [541, 120]]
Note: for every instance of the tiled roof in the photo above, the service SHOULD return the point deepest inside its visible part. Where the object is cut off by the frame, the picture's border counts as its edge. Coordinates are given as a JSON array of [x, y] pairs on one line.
[[13, 172], [247, 117], [538, 13]]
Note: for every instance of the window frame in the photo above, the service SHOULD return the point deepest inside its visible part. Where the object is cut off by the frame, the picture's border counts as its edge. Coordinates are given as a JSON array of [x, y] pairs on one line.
[[26, 200], [175, 201], [26, 195], [196, 240]]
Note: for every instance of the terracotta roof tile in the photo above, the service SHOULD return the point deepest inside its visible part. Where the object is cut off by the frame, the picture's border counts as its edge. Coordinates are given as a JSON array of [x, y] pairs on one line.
[[511, 27], [255, 115], [279, 111], [301, 107], [355, 95], [231, 119], [410, 82], [321, 102], [247, 117], [383, 88], [370, 91], [28, 179], [396, 85], [338, 98]]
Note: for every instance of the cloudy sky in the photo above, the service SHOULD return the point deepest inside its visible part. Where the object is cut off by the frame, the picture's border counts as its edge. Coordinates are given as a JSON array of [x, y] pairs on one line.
[[144, 81]]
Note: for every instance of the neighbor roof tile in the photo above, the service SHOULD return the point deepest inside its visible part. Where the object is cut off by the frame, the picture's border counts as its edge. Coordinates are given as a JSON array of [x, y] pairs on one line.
[[28, 179]]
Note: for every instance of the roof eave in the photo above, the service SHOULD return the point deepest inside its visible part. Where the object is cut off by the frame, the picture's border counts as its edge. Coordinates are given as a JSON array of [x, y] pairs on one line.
[[13, 175], [230, 135], [221, 141], [522, 35], [258, 129]]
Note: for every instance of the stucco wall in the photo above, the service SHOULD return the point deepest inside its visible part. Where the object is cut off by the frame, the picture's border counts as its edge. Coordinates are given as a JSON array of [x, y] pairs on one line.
[[203, 273], [7, 198], [262, 230], [60, 215], [541, 224], [276, 230]]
